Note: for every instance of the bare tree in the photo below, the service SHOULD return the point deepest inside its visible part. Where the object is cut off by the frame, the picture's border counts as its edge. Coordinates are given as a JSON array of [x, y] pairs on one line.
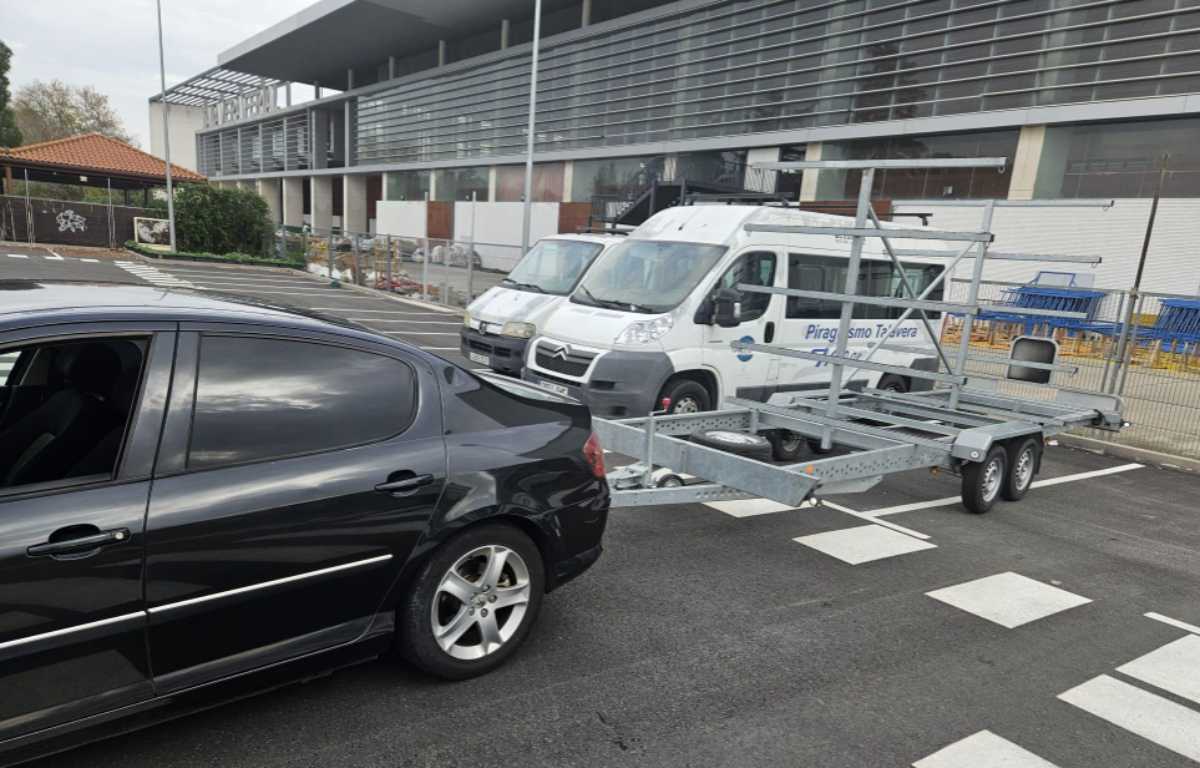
[[55, 110]]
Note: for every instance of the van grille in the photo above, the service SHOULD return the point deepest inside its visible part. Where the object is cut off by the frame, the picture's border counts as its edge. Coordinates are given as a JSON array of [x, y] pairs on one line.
[[561, 358]]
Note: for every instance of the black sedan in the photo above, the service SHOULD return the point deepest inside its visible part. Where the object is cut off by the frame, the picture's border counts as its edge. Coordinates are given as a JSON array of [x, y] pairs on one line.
[[201, 498]]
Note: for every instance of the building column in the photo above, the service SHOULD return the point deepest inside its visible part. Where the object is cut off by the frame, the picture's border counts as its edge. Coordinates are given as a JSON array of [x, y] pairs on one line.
[[322, 204], [822, 185], [1025, 163], [441, 53], [433, 177], [568, 181], [757, 179], [505, 32], [248, 185], [354, 203], [293, 201], [268, 189], [586, 16], [492, 174]]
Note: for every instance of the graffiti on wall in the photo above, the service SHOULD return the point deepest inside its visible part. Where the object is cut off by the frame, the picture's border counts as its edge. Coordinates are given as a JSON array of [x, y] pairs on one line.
[[69, 221]]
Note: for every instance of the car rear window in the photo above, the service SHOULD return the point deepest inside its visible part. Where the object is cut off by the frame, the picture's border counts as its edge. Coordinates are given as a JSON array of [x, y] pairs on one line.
[[259, 398]]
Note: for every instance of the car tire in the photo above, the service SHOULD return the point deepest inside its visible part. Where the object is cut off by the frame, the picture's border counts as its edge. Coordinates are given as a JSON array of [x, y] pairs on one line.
[[1024, 458], [890, 383], [435, 603], [786, 445], [687, 396], [982, 481], [740, 443]]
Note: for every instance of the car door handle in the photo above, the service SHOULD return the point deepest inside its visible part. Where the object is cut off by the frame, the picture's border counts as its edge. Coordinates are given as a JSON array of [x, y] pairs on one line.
[[79, 544], [769, 333], [404, 485]]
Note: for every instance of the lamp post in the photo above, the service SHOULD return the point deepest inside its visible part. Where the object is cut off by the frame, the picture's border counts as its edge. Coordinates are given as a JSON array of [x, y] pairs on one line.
[[162, 72], [527, 208]]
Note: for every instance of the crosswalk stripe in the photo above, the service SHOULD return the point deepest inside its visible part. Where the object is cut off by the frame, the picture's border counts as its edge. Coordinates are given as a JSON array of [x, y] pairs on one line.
[[1174, 668], [983, 750], [17, 256], [1167, 724]]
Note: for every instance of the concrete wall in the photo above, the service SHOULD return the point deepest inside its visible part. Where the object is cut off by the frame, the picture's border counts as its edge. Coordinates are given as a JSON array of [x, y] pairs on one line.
[[183, 123], [1114, 234], [406, 218]]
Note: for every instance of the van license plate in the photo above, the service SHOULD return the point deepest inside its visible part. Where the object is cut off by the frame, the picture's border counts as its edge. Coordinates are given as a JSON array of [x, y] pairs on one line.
[[557, 389], [475, 357]]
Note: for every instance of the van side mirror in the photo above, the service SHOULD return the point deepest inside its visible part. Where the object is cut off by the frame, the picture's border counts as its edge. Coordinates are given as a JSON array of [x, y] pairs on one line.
[[727, 308]]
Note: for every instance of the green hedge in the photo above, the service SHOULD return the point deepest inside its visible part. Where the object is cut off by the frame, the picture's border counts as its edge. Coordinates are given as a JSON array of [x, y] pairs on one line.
[[212, 220], [227, 258]]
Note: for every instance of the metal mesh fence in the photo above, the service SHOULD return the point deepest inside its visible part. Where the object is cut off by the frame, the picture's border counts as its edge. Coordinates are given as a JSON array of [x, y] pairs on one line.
[[1158, 374], [448, 272]]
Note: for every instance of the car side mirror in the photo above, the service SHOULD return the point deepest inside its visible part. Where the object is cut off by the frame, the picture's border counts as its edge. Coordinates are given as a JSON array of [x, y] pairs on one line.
[[727, 308]]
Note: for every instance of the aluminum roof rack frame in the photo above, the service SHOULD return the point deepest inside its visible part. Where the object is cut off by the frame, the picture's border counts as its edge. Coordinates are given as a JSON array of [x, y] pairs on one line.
[[966, 425]]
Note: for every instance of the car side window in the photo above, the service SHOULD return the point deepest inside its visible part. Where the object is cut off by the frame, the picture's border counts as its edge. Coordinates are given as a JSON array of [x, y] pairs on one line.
[[266, 398], [755, 268], [8, 360], [66, 420]]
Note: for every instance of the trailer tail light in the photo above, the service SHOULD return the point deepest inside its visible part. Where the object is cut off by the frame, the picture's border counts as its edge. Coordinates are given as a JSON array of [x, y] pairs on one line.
[[593, 454]]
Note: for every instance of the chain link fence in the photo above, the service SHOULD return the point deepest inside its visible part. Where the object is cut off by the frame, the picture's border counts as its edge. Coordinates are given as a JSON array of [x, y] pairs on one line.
[[448, 272], [1156, 371]]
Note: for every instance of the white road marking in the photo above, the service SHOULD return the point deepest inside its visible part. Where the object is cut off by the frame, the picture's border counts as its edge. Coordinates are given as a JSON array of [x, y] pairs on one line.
[[869, 518], [89, 261], [863, 544], [264, 293], [447, 349], [246, 288], [377, 311], [1175, 667], [1173, 622], [53, 257], [152, 275], [424, 305], [1008, 599], [409, 322], [1167, 724], [416, 333], [983, 750], [748, 507], [948, 500], [18, 256]]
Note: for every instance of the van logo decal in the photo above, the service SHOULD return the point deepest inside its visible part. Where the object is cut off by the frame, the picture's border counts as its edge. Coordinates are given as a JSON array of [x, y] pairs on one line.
[[562, 352], [745, 355]]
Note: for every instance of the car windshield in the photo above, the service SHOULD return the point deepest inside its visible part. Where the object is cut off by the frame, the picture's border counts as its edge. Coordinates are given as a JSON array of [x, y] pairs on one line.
[[553, 266], [649, 276]]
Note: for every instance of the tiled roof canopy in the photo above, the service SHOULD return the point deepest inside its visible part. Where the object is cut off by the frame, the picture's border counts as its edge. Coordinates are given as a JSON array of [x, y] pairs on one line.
[[96, 154]]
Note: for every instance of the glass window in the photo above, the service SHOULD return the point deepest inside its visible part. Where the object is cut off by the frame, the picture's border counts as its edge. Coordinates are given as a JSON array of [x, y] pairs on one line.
[[648, 276], [268, 398], [875, 278], [1120, 159], [757, 268], [553, 266], [407, 185], [547, 183], [616, 178], [67, 419], [459, 183]]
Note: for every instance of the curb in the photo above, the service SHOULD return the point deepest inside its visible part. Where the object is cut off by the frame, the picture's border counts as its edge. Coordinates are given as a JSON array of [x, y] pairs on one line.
[[214, 264], [1141, 455], [401, 299]]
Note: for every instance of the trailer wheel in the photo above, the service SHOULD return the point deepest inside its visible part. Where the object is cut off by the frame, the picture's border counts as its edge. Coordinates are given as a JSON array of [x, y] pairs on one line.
[[1024, 457], [982, 481], [786, 445], [740, 443]]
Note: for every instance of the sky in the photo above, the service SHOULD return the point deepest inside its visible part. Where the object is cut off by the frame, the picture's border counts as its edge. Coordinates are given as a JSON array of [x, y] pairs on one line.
[[113, 45]]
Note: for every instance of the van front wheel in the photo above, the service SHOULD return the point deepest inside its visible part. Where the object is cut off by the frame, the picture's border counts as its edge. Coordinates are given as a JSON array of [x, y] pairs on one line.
[[686, 396]]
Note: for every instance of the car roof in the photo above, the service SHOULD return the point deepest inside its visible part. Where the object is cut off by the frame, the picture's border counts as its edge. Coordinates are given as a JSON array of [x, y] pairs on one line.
[[46, 302], [588, 237]]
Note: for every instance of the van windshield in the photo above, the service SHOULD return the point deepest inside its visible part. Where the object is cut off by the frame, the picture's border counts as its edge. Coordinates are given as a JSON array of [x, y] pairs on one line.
[[552, 266], [648, 276]]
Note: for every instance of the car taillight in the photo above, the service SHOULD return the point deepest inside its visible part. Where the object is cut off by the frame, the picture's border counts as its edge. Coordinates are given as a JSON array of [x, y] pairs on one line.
[[593, 454]]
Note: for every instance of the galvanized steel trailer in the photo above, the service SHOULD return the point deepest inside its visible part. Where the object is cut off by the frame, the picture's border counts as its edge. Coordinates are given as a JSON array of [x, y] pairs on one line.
[[967, 425]]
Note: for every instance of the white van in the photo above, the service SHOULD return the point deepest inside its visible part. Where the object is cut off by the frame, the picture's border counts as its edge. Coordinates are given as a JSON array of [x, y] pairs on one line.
[[498, 325], [641, 326]]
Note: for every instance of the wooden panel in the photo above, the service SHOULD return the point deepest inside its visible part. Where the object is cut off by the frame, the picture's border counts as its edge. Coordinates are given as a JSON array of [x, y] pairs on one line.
[[573, 217], [439, 222], [883, 208]]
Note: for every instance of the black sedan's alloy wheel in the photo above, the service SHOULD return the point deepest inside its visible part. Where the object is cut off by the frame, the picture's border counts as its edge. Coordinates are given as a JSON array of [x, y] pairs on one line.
[[476, 599]]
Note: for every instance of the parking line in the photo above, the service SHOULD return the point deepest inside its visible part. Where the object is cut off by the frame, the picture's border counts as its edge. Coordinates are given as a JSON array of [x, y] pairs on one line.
[[948, 500], [983, 750], [407, 322], [90, 261], [869, 518], [1162, 721], [446, 349], [18, 256], [265, 293], [416, 333], [1175, 668], [1173, 622], [377, 311]]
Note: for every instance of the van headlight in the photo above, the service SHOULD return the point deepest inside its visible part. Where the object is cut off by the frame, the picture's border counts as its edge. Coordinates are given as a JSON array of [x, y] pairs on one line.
[[515, 330], [645, 331]]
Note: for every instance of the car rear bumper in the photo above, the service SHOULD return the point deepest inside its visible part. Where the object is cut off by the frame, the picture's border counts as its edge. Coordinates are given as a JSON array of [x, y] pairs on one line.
[[503, 354]]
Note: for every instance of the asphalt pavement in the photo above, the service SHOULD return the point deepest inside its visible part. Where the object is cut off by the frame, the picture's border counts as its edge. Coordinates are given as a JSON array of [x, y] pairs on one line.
[[888, 628]]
